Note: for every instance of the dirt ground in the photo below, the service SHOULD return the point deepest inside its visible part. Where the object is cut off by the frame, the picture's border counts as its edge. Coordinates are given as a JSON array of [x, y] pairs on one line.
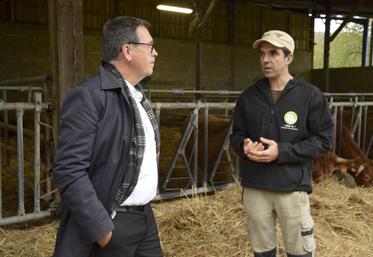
[[214, 226]]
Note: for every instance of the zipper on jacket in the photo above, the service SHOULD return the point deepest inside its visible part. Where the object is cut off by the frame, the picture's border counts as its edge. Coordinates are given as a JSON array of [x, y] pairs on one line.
[[271, 122]]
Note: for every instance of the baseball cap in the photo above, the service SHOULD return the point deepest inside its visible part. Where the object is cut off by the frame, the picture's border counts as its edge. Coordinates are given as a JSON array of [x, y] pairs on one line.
[[277, 38]]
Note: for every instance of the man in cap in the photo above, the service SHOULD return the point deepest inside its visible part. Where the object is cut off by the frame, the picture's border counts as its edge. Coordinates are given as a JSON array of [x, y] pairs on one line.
[[280, 125]]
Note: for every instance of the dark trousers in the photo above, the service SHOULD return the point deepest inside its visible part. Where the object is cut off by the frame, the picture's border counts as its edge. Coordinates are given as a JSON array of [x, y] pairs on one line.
[[135, 235]]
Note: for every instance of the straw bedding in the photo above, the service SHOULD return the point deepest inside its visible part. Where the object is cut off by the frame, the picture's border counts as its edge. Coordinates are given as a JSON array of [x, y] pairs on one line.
[[214, 226]]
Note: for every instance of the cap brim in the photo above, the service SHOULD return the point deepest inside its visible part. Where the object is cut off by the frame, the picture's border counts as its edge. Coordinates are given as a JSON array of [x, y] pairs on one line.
[[257, 43]]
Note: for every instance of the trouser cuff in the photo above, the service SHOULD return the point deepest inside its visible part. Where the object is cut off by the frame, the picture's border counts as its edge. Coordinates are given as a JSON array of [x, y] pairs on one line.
[[271, 253]]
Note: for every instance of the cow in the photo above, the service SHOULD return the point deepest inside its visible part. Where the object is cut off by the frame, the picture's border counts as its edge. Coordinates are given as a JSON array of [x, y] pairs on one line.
[[182, 162], [332, 165], [369, 128], [217, 131], [363, 172]]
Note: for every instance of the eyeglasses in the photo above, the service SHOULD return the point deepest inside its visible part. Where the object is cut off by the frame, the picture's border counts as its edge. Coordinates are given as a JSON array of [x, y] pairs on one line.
[[152, 45]]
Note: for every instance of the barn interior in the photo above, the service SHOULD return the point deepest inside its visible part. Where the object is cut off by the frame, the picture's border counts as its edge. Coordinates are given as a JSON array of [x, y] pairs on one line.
[[205, 60]]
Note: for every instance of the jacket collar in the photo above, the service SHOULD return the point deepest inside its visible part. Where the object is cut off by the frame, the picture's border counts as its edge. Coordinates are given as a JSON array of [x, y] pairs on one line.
[[109, 81], [265, 86]]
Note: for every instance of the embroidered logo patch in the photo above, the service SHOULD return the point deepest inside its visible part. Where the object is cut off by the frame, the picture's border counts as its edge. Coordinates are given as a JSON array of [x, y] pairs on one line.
[[290, 117]]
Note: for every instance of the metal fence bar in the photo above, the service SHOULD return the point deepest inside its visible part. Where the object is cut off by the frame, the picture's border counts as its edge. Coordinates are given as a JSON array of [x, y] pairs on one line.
[[340, 130], [23, 106], [169, 105], [37, 102], [348, 94], [221, 152], [334, 116], [206, 147], [20, 88], [23, 81], [21, 168], [351, 104], [195, 158], [180, 151], [180, 91], [20, 107], [359, 125], [192, 126], [364, 125], [1, 191], [23, 218], [5, 119]]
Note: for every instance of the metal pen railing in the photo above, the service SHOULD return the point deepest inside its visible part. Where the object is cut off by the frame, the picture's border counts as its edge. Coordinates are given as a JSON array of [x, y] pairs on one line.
[[28, 95], [357, 105]]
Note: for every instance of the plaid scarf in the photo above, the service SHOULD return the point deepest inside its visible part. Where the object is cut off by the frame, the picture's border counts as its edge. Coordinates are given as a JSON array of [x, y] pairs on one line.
[[137, 146]]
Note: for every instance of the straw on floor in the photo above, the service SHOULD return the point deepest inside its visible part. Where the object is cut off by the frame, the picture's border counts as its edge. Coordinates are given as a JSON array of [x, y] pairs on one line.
[[214, 226]]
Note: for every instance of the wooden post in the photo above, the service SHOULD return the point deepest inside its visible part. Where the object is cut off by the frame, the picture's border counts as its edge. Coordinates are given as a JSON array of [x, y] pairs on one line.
[[53, 91], [70, 44], [365, 50], [65, 24], [326, 51]]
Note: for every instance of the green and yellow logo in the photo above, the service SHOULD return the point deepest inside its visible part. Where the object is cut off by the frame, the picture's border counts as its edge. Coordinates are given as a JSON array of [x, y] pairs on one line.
[[290, 117]]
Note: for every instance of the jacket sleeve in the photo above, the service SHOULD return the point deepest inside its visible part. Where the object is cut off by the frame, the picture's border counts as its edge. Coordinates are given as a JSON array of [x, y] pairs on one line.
[[239, 131], [320, 129], [79, 118]]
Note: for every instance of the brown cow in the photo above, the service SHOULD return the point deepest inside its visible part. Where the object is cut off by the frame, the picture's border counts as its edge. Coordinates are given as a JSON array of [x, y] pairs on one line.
[[364, 167], [369, 128], [332, 165], [217, 131], [179, 174]]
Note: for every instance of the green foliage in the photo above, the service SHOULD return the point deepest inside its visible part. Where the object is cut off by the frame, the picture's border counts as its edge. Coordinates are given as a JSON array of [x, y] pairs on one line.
[[345, 50]]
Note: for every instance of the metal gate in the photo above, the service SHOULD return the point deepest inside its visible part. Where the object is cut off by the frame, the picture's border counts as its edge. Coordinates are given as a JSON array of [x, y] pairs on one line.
[[39, 182], [15, 154]]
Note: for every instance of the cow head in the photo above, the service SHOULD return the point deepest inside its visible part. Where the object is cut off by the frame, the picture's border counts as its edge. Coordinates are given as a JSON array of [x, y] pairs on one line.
[[364, 173], [329, 163]]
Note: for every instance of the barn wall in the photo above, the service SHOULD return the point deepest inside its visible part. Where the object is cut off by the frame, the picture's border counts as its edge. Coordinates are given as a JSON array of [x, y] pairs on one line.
[[342, 80], [24, 53], [249, 21], [228, 62]]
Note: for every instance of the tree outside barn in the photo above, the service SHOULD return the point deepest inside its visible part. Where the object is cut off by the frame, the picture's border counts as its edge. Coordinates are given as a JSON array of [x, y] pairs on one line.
[[345, 49]]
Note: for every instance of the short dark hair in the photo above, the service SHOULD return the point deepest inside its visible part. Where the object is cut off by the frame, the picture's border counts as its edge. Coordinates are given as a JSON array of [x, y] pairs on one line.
[[118, 31], [286, 51]]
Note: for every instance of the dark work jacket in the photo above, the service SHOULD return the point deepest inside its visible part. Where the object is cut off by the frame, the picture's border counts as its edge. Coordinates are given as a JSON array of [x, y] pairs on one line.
[[300, 123], [95, 134]]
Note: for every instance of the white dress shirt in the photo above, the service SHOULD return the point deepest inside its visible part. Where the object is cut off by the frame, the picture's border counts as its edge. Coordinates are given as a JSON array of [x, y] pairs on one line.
[[146, 187]]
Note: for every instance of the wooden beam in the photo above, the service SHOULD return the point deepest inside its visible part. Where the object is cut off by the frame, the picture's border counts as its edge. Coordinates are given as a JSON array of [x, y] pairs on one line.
[[365, 50], [70, 44], [208, 12], [344, 23], [53, 92], [326, 50]]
